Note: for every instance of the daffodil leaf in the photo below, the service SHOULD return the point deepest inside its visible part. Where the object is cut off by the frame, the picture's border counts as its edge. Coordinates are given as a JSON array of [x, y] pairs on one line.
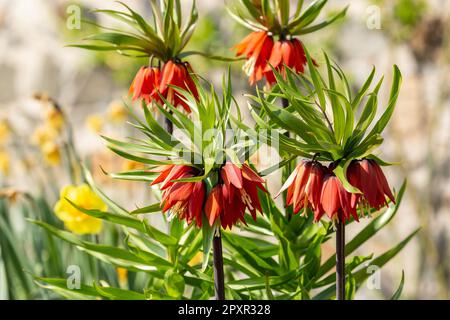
[[89, 291], [114, 255], [60, 286], [397, 294]]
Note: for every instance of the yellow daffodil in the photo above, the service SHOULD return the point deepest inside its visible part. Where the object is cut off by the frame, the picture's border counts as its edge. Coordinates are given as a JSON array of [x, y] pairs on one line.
[[55, 118], [5, 131], [95, 122], [75, 220], [51, 153], [4, 163], [117, 112]]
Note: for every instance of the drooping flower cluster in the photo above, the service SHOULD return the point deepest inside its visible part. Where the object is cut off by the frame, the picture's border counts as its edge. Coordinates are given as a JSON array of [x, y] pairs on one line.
[[367, 176], [304, 187], [263, 54], [151, 83], [237, 192], [184, 199], [314, 186]]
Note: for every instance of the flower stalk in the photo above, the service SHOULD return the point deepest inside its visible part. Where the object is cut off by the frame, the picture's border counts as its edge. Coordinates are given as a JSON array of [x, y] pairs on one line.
[[169, 126], [219, 281], [340, 260]]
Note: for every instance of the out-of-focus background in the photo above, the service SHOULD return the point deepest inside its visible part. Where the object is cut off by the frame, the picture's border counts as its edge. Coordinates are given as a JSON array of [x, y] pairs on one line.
[[37, 71]]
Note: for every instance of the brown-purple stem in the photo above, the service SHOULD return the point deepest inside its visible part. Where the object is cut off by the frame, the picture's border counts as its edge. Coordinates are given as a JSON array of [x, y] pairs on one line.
[[219, 281], [340, 260]]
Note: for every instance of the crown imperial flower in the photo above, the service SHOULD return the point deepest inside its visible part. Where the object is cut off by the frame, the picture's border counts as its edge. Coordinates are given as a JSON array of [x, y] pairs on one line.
[[145, 85], [257, 48], [151, 83], [238, 192], [285, 53], [304, 187], [367, 176], [183, 199]]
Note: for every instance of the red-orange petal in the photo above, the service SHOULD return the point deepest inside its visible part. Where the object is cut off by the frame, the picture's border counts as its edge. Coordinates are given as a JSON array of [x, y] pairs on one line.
[[165, 170], [213, 205], [276, 56], [181, 191], [166, 76], [232, 174], [329, 198], [251, 175], [174, 174], [300, 184], [196, 202], [242, 46]]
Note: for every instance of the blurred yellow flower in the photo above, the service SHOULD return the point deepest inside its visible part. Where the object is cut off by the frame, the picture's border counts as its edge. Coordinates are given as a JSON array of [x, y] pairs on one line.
[[122, 275], [129, 165], [11, 194], [197, 259], [117, 112], [43, 135], [28, 162], [5, 131], [51, 153], [55, 118], [4, 163], [95, 122], [75, 220]]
